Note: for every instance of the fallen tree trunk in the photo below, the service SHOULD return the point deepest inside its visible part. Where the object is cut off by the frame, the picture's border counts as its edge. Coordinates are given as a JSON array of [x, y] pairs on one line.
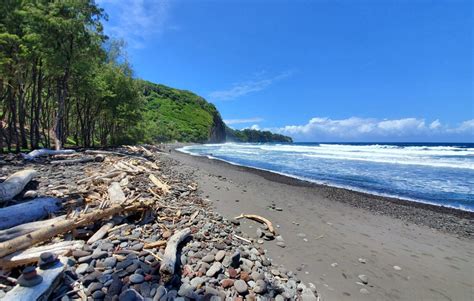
[[259, 219], [33, 210], [32, 255], [169, 259], [98, 158], [40, 235], [46, 152], [42, 291], [15, 183], [16, 231]]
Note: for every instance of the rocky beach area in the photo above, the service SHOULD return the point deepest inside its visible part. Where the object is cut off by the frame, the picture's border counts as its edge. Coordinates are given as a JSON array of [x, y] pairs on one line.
[[351, 245], [126, 224]]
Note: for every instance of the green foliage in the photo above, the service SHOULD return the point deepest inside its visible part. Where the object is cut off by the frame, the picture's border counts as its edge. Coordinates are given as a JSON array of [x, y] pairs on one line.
[[249, 135], [173, 114]]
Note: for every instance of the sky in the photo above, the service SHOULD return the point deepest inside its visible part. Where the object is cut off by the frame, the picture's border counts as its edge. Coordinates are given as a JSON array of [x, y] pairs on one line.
[[347, 70]]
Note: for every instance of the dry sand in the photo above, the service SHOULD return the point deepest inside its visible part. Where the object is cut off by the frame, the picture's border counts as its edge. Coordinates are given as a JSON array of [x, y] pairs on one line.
[[325, 238]]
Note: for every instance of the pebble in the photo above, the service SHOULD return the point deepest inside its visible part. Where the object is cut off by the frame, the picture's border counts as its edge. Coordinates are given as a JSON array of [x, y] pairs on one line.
[[220, 255], [110, 262], [208, 258], [334, 264], [241, 287], [98, 295], [281, 244], [260, 287], [136, 278], [81, 269], [130, 295], [362, 260], [397, 268], [214, 269], [364, 279]]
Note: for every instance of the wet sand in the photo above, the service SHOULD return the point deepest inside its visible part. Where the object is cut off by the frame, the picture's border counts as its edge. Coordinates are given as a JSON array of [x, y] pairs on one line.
[[411, 251]]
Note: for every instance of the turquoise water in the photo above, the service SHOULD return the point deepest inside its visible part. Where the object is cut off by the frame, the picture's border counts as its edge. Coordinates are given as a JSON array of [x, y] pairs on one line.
[[440, 174]]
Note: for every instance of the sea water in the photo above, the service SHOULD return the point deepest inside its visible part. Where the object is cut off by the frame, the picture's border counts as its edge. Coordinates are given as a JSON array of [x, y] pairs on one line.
[[439, 174]]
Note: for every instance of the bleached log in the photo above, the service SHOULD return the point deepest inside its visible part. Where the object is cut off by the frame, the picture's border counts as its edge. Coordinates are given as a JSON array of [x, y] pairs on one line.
[[16, 231], [32, 255], [33, 210], [42, 291], [116, 197], [78, 161], [43, 234], [101, 232], [15, 183], [154, 244], [169, 259], [46, 152], [163, 186], [259, 219]]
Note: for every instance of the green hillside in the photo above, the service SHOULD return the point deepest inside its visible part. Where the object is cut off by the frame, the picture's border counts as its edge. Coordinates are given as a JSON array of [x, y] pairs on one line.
[[172, 114]]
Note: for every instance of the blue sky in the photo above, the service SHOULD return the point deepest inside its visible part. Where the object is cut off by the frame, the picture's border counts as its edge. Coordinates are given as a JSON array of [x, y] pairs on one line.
[[315, 70]]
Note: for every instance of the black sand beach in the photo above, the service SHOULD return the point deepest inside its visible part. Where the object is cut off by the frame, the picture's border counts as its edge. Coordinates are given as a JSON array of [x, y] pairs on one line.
[[408, 250]]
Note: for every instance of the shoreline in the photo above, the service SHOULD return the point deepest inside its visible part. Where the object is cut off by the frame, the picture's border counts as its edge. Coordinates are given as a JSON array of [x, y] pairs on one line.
[[399, 207], [331, 236]]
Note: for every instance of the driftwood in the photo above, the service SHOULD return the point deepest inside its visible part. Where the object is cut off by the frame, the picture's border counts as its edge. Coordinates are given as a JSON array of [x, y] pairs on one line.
[[154, 244], [33, 210], [46, 152], [15, 183], [16, 231], [163, 186], [169, 259], [116, 196], [40, 235], [32, 255], [98, 158], [42, 291], [259, 219]]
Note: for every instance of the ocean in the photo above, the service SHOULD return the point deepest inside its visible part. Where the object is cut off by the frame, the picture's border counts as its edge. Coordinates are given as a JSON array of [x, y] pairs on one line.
[[438, 174]]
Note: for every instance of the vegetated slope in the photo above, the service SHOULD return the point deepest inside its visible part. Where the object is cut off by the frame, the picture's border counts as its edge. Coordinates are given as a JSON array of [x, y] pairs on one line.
[[173, 114], [249, 135]]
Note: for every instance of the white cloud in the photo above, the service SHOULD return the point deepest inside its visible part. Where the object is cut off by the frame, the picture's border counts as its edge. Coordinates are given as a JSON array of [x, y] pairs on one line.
[[359, 129], [246, 87], [243, 120], [135, 21], [255, 127]]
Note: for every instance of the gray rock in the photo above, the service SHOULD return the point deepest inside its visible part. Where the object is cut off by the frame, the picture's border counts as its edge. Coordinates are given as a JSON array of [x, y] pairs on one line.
[[137, 247], [308, 295], [241, 287], [214, 269], [110, 262], [130, 295], [136, 278], [281, 244], [220, 255], [99, 254], [160, 292], [197, 282], [260, 287], [94, 286], [81, 269], [208, 258], [98, 295], [364, 279]]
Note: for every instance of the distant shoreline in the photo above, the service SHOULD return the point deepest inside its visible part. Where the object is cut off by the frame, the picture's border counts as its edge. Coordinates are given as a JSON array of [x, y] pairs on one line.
[[413, 211]]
